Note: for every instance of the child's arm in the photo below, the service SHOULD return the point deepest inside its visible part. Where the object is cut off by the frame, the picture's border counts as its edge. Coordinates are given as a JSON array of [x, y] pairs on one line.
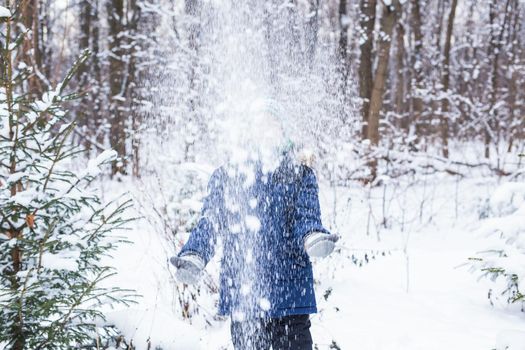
[[307, 217], [199, 249], [308, 228]]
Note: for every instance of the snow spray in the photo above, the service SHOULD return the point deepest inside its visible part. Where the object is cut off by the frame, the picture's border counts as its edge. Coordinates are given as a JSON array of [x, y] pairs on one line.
[[245, 88]]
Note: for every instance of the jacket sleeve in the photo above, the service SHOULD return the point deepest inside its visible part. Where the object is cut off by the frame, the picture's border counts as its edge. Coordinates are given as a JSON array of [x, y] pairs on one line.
[[203, 237], [307, 217]]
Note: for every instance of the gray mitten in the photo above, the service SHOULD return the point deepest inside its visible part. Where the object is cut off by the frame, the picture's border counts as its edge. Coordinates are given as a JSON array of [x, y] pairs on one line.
[[320, 244], [189, 268]]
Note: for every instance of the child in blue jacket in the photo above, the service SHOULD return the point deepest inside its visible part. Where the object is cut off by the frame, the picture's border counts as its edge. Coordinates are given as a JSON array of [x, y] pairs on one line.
[[269, 225]]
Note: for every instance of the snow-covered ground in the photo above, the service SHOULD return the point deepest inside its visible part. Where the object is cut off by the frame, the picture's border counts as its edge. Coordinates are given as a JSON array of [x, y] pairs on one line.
[[444, 307], [414, 293]]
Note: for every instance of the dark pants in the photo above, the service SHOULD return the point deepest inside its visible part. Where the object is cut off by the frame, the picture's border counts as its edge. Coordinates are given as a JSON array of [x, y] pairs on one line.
[[284, 333]]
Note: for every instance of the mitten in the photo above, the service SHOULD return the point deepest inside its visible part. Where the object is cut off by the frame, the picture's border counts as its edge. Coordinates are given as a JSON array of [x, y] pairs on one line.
[[320, 244], [189, 268]]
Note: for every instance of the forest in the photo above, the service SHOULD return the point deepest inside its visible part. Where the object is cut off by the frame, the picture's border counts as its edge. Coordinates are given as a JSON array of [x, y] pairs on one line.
[[114, 115]]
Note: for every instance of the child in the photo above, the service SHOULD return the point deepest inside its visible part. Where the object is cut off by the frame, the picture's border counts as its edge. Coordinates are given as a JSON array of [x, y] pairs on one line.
[[269, 224]]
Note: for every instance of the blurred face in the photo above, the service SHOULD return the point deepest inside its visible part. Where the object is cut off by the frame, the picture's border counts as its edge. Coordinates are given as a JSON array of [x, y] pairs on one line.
[[253, 133], [260, 136], [268, 133]]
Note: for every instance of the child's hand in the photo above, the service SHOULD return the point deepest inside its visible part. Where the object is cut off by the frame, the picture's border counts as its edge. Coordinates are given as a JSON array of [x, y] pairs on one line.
[[189, 268], [320, 244]]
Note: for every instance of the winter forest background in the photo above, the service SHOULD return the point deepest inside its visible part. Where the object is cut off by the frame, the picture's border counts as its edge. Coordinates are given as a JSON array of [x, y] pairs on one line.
[[114, 113]]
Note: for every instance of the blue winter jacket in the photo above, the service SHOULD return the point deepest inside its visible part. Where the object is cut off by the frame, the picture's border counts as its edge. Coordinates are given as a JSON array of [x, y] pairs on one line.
[[261, 220]]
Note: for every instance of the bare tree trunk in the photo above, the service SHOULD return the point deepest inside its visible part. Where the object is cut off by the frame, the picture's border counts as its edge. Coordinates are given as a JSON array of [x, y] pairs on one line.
[[343, 52], [31, 53], [36, 32], [85, 104], [492, 126], [444, 125], [117, 80], [417, 66], [312, 30], [388, 20], [343, 39], [492, 93], [98, 115], [400, 78], [513, 85], [45, 39], [13, 233], [366, 24], [436, 56], [133, 89]]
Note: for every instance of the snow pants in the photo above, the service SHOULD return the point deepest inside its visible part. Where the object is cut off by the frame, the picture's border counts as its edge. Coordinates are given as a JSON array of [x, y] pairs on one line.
[[284, 333]]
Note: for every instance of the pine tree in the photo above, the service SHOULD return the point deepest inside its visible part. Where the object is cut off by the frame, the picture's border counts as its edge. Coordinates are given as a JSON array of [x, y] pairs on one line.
[[54, 228]]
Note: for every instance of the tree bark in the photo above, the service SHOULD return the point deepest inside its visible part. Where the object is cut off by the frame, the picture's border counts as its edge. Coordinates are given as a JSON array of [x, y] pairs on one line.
[[343, 64], [86, 102], [134, 91], [366, 25], [512, 97], [492, 126], [45, 38], [400, 78], [13, 233], [31, 53], [343, 39], [98, 115], [444, 125], [417, 67], [117, 80], [388, 20]]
